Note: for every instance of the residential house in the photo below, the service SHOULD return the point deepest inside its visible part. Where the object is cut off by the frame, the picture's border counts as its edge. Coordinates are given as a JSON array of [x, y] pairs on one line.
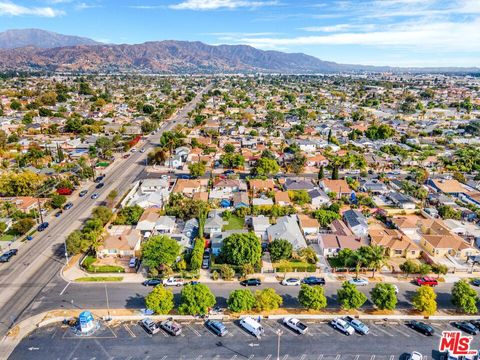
[[401, 201], [147, 222], [240, 199], [217, 240], [287, 228], [165, 225], [262, 201], [318, 198], [374, 187], [340, 237], [121, 241], [213, 224], [339, 187], [260, 224], [309, 226], [298, 184], [225, 188], [356, 222], [396, 243], [282, 198], [25, 204], [188, 187], [259, 185]]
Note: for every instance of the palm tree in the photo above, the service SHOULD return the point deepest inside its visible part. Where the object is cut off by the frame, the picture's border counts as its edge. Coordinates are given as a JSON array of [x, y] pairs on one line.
[[376, 258], [356, 259]]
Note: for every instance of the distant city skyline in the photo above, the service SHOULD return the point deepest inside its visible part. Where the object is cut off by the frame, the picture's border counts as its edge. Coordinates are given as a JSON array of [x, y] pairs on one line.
[[374, 32]]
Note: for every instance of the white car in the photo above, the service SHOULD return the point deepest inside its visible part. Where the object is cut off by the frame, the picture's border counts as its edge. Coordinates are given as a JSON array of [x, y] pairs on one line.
[[133, 150], [358, 281], [415, 355], [342, 326], [142, 150], [295, 324], [291, 282], [173, 282], [395, 287]]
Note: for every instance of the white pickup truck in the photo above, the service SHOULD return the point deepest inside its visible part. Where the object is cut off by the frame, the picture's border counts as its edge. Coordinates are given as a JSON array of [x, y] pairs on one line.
[[173, 282], [295, 325]]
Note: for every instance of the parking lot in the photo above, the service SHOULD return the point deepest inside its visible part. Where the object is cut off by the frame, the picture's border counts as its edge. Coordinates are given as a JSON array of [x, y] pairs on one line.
[[386, 341]]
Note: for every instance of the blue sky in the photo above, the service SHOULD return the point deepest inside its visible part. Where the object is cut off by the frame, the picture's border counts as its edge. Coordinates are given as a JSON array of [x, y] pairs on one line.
[[376, 32]]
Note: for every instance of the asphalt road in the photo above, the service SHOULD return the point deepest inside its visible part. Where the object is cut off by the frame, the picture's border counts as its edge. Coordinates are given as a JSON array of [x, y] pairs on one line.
[[386, 341], [39, 261]]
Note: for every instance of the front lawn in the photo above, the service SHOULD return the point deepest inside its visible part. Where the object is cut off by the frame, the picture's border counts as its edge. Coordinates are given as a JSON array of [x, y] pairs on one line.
[[99, 278], [7, 237], [234, 223], [293, 265], [90, 260]]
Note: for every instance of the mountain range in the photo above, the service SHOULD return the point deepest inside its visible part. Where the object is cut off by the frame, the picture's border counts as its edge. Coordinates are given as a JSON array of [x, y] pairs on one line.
[[34, 49]]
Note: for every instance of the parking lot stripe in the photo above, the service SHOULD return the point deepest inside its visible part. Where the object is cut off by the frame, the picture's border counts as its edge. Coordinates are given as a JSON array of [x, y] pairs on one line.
[[372, 357], [392, 357], [194, 330], [323, 332], [320, 357], [396, 328], [164, 357], [268, 357], [382, 330], [251, 357], [233, 357], [199, 357], [337, 357], [285, 357], [356, 357], [129, 331], [303, 357]]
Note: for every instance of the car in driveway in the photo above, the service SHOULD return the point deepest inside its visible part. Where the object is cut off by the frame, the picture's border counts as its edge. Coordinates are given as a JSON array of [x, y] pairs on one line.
[[217, 327], [358, 281], [251, 282], [150, 326], [313, 280], [42, 226], [83, 193], [359, 326], [466, 326], [100, 185], [295, 324], [414, 355], [95, 196], [205, 263], [68, 206], [421, 327], [291, 282], [133, 262], [152, 282], [426, 281], [342, 326]]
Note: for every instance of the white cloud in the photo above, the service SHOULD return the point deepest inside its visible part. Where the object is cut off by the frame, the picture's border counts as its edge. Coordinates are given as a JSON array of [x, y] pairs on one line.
[[340, 28], [219, 4], [11, 9], [85, 6]]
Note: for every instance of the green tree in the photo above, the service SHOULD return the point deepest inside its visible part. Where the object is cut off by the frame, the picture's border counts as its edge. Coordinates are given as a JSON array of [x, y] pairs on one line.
[[57, 201], [409, 267], [300, 197], [3, 227], [265, 167], [22, 226], [349, 297], [76, 243], [129, 215], [227, 272], [241, 300], [103, 213], [439, 269], [267, 300], [448, 212], [197, 169], [384, 297], [280, 249], [160, 300], [308, 254], [15, 105], [464, 297], [312, 297], [321, 173], [375, 258], [159, 250], [196, 299], [425, 300], [196, 257], [232, 161], [325, 217], [229, 148], [239, 249]]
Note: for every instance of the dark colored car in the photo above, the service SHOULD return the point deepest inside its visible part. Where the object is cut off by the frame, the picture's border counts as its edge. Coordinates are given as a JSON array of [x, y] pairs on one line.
[[42, 226], [251, 282], [229, 172], [475, 323], [99, 179], [186, 177], [100, 185], [421, 327], [68, 206], [83, 193], [466, 326], [94, 196], [313, 280], [11, 252], [58, 213], [4, 258], [152, 282], [476, 282], [216, 327]]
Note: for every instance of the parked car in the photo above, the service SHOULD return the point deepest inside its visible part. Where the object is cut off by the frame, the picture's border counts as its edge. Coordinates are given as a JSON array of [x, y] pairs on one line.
[[150, 326], [99, 179], [251, 282], [83, 193], [476, 282], [229, 172], [42, 226], [133, 150], [295, 324], [58, 213], [152, 282], [414, 355], [476, 323], [358, 281], [11, 252], [466, 326], [291, 282], [133, 262], [426, 281], [171, 327], [142, 150], [205, 263], [421, 327], [252, 326], [100, 185], [95, 196], [395, 287], [185, 176], [126, 156], [172, 281], [359, 326], [313, 280], [217, 327], [68, 206], [4, 258], [342, 326]]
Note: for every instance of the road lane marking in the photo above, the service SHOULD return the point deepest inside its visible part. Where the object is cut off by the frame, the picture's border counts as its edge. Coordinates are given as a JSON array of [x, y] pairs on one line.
[[199, 357], [382, 330], [400, 331], [163, 358], [129, 331], [65, 288], [194, 330]]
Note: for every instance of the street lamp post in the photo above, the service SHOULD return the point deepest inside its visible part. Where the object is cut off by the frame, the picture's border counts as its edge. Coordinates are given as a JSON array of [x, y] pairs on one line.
[[279, 334]]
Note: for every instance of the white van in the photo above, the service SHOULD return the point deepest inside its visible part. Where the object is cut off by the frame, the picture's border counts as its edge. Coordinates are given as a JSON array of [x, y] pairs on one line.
[[252, 326]]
